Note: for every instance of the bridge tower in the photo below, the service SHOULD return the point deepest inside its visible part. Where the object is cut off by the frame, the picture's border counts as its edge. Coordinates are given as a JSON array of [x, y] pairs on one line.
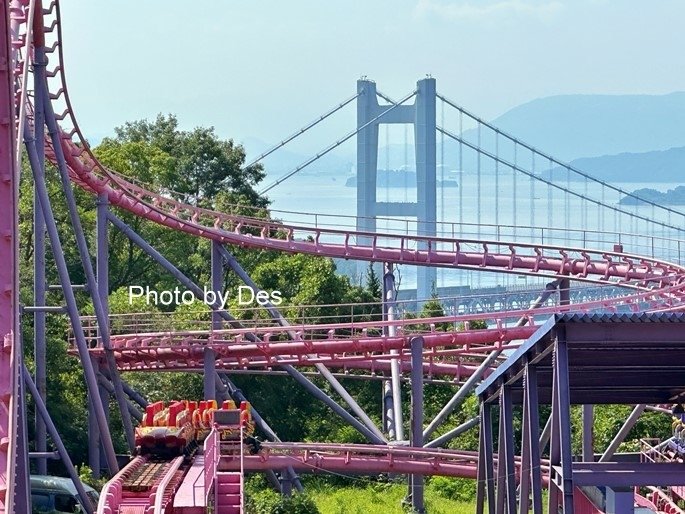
[[422, 116]]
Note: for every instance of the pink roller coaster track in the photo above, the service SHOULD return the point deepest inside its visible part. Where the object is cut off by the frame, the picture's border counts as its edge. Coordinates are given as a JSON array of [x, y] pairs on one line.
[[9, 305], [653, 284]]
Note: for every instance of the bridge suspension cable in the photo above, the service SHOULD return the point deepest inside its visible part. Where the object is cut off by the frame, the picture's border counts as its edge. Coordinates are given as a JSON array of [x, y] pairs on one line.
[[304, 129], [552, 159], [335, 145], [530, 174]]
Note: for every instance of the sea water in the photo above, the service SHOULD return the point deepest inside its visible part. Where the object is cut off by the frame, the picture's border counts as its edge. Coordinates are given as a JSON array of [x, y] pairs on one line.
[[504, 200]]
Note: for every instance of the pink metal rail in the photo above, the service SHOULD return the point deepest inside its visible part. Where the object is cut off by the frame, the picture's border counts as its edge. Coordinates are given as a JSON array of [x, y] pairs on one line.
[[10, 68], [110, 497], [211, 460], [360, 458]]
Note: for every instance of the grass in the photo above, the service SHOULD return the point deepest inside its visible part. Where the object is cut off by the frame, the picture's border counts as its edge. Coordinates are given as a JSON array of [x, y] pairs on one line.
[[380, 499]]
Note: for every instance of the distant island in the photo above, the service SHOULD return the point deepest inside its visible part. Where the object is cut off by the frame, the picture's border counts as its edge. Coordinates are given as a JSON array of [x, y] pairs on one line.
[[671, 197], [398, 178]]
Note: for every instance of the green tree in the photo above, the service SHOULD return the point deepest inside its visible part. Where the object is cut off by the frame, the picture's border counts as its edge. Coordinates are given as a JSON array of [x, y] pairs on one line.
[[203, 164], [373, 283]]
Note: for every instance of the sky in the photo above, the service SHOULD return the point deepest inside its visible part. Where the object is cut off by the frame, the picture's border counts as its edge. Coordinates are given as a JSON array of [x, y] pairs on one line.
[[263, 68]]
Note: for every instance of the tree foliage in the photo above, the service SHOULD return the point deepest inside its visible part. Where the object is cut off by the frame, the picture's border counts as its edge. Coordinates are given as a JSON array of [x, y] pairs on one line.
[[197, 164]]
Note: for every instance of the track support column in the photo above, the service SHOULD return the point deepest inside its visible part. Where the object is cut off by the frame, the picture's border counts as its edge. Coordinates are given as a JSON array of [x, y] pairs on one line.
[[93, 432], [395, 422], [217, 285], [217, 279], [209, 374], [417, 418], [39, 282]]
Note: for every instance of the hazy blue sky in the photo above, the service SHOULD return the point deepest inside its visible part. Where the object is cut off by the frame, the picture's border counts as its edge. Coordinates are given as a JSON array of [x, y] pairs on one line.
[[261, 68]]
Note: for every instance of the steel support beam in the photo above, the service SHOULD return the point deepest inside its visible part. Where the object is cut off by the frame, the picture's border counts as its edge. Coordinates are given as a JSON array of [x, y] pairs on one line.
[[563, 400], [588, 433], [501, 475], [387, 410], [130, 392], [93, 431], [397, 425], [486, 424], [107, 385], [507, 414], [546, 434], [217, 279], [531, 399], [417, 502], [456, 431], [22, 486], [52, 430], [103, 398], [481, 478], [209, 374], [39, 279], [526, 443]]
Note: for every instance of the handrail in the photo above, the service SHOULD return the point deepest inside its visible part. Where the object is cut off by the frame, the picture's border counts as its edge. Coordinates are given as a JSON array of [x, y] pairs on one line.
[[211, 447], [161, 488], [242, 468]]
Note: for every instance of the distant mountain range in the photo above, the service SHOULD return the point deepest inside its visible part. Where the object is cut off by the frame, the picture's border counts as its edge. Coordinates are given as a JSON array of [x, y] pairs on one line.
[[573, 126], [658, 166], [619, 138]]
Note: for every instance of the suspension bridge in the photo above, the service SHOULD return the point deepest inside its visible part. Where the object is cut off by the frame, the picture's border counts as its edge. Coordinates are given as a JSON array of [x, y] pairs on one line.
[[601, 268]]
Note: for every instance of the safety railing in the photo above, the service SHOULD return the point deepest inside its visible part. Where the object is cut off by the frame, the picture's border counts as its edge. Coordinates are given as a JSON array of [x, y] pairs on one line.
[[242, 467], [651, 450], [463, 303], [211, 456]]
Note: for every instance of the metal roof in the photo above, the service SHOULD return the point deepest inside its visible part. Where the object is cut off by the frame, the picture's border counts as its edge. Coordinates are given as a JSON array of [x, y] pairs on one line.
[[613, 358]]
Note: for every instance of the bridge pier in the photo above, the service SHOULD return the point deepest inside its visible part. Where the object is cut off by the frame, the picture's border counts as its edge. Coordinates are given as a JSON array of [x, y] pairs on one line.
[[422, 115], [426, 209]]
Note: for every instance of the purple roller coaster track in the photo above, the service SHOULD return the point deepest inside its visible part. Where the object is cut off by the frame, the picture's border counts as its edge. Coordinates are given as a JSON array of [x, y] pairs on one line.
[[641, 272]]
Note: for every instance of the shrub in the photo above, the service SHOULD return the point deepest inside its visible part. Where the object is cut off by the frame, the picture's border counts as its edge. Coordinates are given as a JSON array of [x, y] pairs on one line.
[[459, 489], [270, 502]]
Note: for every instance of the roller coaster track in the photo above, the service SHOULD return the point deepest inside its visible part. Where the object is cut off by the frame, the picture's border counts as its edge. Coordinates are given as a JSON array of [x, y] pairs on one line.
[[654, 284], [183, 349], [361, 458], [144, 486]]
